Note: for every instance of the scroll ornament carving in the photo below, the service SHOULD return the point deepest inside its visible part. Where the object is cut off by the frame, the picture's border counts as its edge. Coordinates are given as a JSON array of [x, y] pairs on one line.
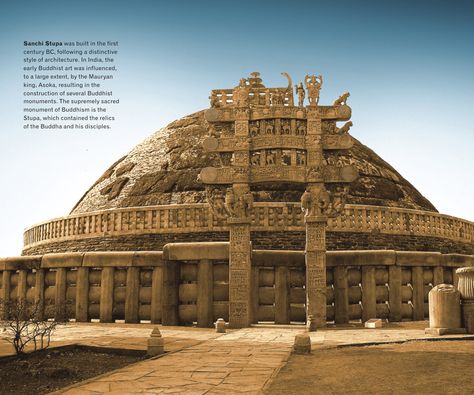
[[324, 203]]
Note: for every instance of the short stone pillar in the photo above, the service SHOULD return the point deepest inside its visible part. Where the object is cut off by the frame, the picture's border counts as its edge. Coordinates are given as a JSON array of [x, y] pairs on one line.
[[445, 310], [220, 325], [302, 344], [155, 343], [466, 288]]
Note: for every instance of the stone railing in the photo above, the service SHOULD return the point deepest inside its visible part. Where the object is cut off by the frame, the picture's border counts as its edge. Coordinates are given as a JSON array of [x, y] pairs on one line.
[[189, 218], [189, 283]]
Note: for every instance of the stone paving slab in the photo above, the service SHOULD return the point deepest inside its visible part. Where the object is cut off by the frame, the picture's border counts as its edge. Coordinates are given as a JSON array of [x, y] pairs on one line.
[[200, 361], [237, 362]]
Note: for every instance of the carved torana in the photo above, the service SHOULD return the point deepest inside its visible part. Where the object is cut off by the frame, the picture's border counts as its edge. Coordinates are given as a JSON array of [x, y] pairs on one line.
[[276, 141]]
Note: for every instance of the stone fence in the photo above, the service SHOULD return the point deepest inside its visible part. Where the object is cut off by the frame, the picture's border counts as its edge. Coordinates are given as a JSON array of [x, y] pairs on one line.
[[189, 283], [272, 217]]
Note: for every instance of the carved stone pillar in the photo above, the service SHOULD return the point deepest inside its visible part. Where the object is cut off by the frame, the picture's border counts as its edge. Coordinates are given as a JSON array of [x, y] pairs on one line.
[[315, 256], [239, 273], [315, 221]]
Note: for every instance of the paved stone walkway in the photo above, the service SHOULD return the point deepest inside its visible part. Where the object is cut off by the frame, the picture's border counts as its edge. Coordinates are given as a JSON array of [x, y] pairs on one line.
[[237, 362], [200, 361]]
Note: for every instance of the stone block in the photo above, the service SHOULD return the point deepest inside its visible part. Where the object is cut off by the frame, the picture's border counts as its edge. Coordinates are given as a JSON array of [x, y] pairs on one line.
[[302, 344], [373, 323], [196, 251], [70, 259], [444, 331]]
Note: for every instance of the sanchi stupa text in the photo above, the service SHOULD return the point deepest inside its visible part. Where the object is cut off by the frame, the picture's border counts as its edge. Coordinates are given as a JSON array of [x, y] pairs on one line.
[[261, 208]]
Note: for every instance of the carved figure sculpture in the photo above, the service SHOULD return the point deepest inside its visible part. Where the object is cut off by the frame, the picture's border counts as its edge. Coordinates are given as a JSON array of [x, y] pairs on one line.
[[238, 207], [277, 99], [320, 204], [339, 200], [254, 129], [323, 201], [247, 200], [241, 93], [214, 100], [300, 128], [345, 128], [270, 157], [301, 158], [301, 94], [306, 202], [313, 86], [255, 160], [216, 202], [341, 100], [230, 202], [285, 127]]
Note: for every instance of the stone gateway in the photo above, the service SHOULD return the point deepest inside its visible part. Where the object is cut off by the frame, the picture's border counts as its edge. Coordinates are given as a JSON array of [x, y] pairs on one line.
[[261, 208]]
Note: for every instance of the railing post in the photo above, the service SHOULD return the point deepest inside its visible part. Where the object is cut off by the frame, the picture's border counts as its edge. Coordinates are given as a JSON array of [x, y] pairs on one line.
[[156, 295], [60, 294], [418, 293], [282, 295], [82, 294], [106, 294], [395, 293], [6, 287], [341, 295], [438, 275], [369, 302], [170, 302], [132, 294], [205, 290], [22, 285], [39, 292]]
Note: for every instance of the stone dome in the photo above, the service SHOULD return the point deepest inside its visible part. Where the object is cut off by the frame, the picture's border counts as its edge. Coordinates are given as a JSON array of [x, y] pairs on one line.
[[164, 169]]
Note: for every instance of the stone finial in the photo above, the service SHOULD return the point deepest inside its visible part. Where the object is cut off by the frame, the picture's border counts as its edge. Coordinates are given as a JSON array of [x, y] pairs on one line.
[[220, 325], [155, 343], [302, 344]]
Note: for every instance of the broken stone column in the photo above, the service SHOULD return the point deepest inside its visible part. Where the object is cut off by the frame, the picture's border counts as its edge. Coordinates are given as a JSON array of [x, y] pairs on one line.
[[466, 288], [445, 310], [155, 343]]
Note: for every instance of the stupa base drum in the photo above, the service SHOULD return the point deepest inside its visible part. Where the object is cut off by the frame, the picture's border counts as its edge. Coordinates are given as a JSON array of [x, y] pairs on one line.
[[262, 208]]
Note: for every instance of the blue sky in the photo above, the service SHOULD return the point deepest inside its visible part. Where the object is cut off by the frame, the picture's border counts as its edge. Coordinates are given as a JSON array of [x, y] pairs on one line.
[[408, 65]]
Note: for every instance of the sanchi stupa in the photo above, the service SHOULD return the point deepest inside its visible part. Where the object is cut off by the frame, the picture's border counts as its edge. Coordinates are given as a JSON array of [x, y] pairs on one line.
[[262, 208]]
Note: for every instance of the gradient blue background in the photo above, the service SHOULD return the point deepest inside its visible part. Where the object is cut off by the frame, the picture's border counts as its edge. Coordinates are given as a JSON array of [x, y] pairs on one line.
[[408, 65]]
